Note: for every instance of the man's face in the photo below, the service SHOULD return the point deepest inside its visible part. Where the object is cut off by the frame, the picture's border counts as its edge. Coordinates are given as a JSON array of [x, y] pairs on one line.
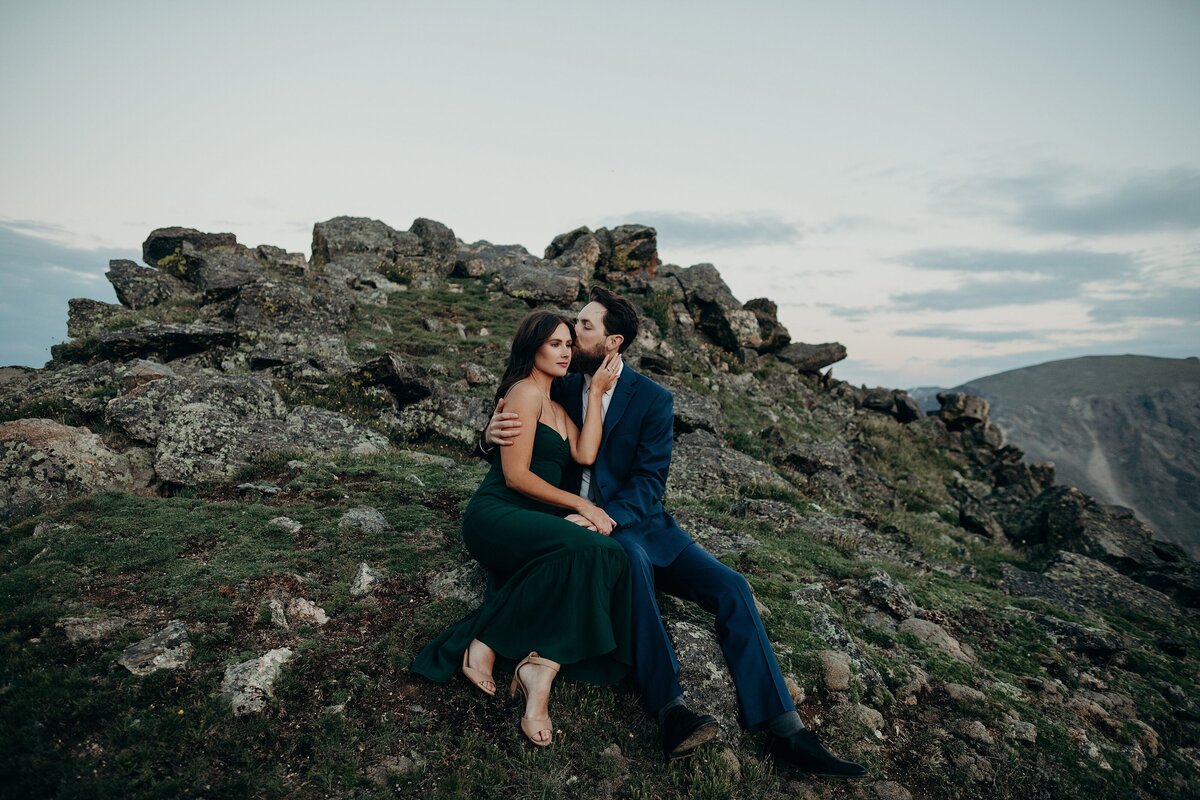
[[591, 340]]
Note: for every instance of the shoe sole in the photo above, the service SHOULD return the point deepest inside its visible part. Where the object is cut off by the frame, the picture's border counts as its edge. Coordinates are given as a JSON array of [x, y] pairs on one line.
[[698, 738]]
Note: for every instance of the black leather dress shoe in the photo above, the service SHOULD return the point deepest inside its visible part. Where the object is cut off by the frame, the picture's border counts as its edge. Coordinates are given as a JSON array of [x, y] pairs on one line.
[[804, 752], [683, 731]]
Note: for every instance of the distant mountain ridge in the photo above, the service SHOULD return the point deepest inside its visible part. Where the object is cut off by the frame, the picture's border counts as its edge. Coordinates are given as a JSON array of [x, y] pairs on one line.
[[1125, 429]]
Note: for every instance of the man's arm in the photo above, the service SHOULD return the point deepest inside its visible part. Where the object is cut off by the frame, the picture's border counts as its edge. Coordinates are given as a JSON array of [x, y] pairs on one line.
[[501, 429], [641, 493]]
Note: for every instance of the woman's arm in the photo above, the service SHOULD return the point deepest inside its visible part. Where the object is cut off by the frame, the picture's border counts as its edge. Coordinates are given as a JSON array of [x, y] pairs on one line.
[[526, 401], [585, 443]]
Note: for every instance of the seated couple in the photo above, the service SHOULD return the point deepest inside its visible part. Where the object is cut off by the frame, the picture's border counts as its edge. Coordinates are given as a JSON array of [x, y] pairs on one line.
[[569, 524]]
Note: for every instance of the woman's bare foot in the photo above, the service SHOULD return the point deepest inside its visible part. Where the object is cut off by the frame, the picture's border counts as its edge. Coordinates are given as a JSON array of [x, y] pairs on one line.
[[477, 665]]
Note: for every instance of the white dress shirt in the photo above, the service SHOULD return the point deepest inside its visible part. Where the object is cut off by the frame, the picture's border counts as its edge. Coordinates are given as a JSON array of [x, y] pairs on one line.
[[586, 485]]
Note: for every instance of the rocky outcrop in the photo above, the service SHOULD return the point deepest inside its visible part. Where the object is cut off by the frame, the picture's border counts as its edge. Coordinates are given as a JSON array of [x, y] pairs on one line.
[[43, 462], [811, 357], [421, 257]]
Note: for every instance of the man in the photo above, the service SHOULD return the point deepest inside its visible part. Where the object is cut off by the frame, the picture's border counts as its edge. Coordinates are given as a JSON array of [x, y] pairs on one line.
[[628, 481]]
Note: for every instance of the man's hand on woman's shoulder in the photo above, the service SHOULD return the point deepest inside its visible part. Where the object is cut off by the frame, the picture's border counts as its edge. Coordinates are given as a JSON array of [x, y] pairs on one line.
[[502, 428]]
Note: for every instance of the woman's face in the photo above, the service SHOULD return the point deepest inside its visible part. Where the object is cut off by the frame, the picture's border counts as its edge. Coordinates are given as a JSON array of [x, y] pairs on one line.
[[554, 356]]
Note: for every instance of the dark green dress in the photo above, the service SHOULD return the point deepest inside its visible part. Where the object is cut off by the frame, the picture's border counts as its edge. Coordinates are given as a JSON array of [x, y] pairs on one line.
[[554, 586]]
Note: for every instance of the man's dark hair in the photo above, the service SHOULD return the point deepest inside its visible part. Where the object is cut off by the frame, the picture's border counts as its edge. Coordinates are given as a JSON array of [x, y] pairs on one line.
[[620, 317]]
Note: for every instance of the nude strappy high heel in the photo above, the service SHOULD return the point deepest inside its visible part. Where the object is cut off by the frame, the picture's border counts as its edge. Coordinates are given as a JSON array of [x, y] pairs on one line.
[[532, 727], [478, 677]]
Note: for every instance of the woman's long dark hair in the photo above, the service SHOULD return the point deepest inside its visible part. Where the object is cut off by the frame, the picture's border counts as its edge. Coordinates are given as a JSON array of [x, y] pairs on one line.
[[531, 334]]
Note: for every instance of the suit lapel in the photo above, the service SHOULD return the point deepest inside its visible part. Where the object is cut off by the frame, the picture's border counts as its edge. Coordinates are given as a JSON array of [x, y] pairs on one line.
[[621, 396]]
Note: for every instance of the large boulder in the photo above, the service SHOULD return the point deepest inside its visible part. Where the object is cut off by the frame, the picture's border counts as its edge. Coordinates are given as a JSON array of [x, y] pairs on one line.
[[266, 305], [519, 274], [702, 466], [163, 243], [217, 272], [714, 309], [772, 332], [159, 341], [86, 317], [961, 410], [407, 382], [142, 287], [43, 462], [421, 256], [811, 357]]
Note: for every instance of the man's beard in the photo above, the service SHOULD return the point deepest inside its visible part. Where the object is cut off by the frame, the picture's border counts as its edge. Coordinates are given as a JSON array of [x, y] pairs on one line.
[[586, 363]]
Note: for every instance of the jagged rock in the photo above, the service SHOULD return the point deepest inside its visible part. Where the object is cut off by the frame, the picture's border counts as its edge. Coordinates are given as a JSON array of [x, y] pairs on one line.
[[90, 629], [695, 412], [976, 731], [1022, 583], [422, 257], [408, 383], [1096, 584], [142, 287], [165, 242], [1078, 638], [961, 410], [578, 250], [264, 305], [167, 649], [893, 402], [885, 592], [1022, 731], [836, 670], [772, 332], [1064, 518], [247, 686], [810, 458], [479, 376], [811, 357], [453, 416], [89, 317], [143, 412], [293, 265], [296, 610], [702, 465], [364, 520], [526, 277], [933, 634], [218, 272], [365, 580], [160, 341], [628, 254], [311, 428], [827, 627], [43, 462], [714, 309]]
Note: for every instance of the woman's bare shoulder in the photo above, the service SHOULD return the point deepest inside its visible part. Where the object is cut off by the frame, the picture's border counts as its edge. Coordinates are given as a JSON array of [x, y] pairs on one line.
[[523, 394]]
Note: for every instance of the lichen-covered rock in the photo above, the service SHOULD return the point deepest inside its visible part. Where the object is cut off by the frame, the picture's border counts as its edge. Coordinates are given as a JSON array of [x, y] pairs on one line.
[[43, 462], [889, 594], [961, 410], [628, 254], [1095, 584], [143, 412], [170, 648], [89, 317], [364, 520], [695, 412], [317, 429], [702, 465], [140, 287], [835, 668], [165, 242], [408, 383], [90, 629], [247, 686], [703, 674], [453, 416], [365, 580], [772, 332], [465, 582], [421, 257]]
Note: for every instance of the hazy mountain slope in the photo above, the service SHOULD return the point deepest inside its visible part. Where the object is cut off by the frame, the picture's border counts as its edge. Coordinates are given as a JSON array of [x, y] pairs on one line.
[[1123, 428]]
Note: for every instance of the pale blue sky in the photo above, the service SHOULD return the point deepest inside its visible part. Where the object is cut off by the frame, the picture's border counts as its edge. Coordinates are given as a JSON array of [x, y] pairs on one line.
[[948, 188]]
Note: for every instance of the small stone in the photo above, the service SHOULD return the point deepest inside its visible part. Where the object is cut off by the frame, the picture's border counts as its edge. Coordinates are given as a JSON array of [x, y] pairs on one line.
[[956, 691], [89, 629], [248, 685], [795, 691], [363, 520], [167, 649], [974, 729], [287, 523], [415, 481], [278, 614], [478, 375], [763, 611], [366, 449], [365, 580], [306, 612], [869, 716], [484, 332], [935, 635], [462, 330], [732, 764], [432, 325], [837, 670], [1022, 731]]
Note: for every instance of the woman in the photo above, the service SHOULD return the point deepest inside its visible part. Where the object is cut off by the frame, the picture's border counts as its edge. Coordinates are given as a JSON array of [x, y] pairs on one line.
[[558, 592]]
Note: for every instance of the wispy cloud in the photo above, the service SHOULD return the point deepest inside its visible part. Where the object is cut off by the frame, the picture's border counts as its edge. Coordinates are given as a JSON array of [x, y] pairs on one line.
[[1181, 304], [37, 277], [1079, 265], [951, 332], [1058, 198], [679, 229]]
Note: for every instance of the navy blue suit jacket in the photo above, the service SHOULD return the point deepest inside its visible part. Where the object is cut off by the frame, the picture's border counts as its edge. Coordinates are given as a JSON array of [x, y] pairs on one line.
[[629, 477]]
